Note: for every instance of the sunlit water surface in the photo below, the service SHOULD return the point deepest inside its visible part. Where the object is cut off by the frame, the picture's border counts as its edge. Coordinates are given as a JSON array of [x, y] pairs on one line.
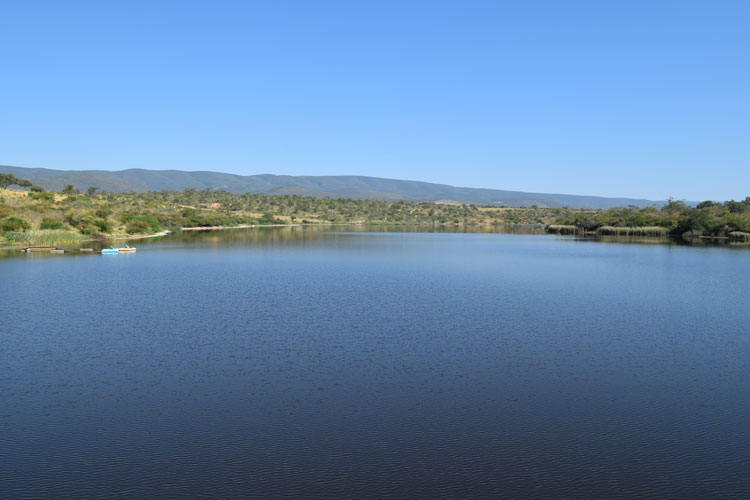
[[296, 363]]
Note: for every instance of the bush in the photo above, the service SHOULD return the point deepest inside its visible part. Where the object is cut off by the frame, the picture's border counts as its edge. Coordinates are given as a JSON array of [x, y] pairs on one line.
[[137, 226], [103, 212], [51, 224], [104, 225], [43, 196], [14, 223], [152, 224], [88, 228]]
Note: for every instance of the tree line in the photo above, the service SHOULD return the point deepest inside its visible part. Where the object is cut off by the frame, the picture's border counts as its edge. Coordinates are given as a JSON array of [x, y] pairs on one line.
[[98, 214], [729, 219]]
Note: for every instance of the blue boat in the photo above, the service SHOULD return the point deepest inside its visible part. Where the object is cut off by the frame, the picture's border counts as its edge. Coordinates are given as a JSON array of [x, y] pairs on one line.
[[110, 251]]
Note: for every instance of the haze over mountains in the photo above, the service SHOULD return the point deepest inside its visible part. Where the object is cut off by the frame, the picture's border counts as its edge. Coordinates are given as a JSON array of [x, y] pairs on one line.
[[344, 186]]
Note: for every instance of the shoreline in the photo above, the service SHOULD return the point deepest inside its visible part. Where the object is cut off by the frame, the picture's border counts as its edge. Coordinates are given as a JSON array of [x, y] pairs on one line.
[[632, 236], [240, 226], [20, 246], [135, 236]]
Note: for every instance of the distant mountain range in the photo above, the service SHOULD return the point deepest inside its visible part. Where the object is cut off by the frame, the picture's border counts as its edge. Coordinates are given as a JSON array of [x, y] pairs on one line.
[[339, 186]]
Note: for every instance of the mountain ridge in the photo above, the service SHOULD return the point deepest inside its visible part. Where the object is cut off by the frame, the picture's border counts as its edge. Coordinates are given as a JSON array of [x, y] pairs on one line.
[[326, 186]]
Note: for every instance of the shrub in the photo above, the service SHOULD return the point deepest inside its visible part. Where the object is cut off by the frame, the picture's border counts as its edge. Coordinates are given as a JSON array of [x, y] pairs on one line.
[[51, 224], [152, 224], [42, 195], [88, 228], [104, 225], [103, 212], [14, 223], [137, 226]]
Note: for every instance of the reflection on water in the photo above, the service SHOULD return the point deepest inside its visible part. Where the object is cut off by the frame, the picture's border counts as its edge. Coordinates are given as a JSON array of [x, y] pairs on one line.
[[305, 235]]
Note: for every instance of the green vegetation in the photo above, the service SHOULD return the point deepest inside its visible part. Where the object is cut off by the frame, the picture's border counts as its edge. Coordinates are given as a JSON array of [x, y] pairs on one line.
[[631, 231], [98, 214], [14, 223], [42, 237], [70, 215], [728, 220], [48, 223], [7, 180]]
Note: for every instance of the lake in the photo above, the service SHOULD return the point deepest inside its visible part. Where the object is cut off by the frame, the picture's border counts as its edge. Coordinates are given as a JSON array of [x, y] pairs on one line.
[[308, 363]]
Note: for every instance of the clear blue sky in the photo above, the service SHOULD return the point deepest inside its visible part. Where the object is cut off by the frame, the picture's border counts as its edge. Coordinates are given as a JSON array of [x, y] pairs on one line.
[[632, 98]]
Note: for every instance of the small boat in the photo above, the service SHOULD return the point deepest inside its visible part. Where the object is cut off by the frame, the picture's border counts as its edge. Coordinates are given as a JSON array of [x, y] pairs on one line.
[[126, 249], [110, 251]]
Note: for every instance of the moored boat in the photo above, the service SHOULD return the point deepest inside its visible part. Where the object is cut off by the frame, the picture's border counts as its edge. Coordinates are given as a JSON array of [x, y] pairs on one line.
[[126, 249], [110, 251]]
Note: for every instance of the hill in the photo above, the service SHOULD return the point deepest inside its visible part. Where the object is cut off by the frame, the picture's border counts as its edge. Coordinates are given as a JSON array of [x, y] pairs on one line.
[[344, 186]]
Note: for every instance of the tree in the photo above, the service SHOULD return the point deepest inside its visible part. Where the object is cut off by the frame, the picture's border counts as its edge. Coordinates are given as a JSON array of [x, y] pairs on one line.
[[7, 180], [91, 190], [10, 180], [674, 206], [69, 189]]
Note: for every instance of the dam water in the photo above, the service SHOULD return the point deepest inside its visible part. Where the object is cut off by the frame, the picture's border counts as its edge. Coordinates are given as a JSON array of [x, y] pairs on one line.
[[296, 363]]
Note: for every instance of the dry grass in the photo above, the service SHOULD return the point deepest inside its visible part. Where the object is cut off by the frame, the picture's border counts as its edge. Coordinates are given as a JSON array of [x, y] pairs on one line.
[[22, 195]]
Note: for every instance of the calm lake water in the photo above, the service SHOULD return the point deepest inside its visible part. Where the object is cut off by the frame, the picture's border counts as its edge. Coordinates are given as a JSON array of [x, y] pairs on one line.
[[301, 363]]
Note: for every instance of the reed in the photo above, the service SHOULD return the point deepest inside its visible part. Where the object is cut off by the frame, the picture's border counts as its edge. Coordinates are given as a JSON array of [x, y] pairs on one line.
[[43, 237], [631, 231]]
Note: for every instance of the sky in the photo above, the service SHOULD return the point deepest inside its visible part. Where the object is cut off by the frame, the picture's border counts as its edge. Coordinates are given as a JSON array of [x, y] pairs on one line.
[[646, 99]]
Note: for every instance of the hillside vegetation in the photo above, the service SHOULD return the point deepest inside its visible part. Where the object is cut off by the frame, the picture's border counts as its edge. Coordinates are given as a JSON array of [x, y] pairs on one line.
[[44, 217], [730, 220], [30, 215]]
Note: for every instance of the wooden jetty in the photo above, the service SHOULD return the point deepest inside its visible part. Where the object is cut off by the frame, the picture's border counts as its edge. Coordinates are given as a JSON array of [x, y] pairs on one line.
[[56, 250], [39, 249]]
